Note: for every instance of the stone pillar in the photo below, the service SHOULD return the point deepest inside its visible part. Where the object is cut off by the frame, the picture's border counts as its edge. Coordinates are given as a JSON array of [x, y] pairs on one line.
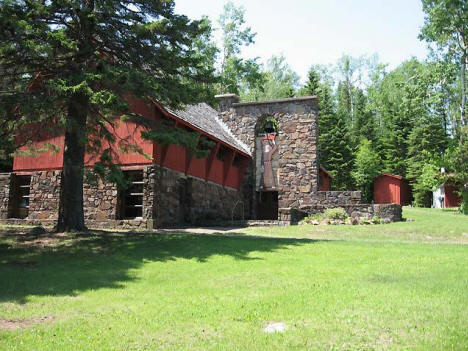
[[298, 161], [226, 101], [149, 196]]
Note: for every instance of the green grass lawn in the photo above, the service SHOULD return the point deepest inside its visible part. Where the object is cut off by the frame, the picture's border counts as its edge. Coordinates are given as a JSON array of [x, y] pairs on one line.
[[401, 286]]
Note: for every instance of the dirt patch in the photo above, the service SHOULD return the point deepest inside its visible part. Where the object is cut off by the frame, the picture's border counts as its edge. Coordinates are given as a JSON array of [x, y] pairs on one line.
[[11, 325]]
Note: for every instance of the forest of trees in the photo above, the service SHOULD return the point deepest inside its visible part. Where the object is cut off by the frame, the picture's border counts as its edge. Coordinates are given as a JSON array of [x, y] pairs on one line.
[[410, 120]]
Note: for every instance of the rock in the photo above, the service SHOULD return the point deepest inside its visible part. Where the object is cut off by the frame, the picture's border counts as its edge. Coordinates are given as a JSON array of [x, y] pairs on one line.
[[315, 222], [275, 328]]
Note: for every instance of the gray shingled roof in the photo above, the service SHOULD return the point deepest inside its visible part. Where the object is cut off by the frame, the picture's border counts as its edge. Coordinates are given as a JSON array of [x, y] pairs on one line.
[[206, 118]]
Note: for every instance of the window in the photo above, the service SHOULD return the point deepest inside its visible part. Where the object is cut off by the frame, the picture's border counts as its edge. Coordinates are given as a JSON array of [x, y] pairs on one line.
[[19, 197], [132, 197]]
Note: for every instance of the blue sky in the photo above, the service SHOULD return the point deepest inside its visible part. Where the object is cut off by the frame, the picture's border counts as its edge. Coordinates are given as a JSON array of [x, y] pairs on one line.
[[319, 31]]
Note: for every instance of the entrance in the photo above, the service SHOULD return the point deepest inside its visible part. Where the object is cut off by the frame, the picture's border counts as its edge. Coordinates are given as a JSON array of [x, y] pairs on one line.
[[267, 205]]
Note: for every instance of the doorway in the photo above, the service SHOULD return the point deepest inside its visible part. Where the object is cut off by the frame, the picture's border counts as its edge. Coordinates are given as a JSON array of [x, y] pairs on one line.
[[267, 205]]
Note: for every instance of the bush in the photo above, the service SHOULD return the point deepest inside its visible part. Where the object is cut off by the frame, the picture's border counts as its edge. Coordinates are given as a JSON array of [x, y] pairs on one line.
[[313, 217], [336, 214]]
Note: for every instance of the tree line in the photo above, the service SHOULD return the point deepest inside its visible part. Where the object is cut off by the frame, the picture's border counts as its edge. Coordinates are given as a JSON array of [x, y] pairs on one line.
[[409, 121]]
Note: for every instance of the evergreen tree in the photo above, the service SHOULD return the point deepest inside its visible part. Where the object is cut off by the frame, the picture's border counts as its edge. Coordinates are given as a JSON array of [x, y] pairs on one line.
[[364, 121], [400, 102], [82, 57], [312, 86], [334, 143], [367, 166]]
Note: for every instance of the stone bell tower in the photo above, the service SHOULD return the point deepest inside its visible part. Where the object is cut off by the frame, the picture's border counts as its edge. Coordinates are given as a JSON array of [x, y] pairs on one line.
[[282, 137]]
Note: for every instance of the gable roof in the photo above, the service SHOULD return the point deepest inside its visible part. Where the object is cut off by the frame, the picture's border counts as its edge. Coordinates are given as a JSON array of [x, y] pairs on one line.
[[391, 176], [206, 118]]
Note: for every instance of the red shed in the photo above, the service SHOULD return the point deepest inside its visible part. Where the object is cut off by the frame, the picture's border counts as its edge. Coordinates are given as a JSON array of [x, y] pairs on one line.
[[391, 189]]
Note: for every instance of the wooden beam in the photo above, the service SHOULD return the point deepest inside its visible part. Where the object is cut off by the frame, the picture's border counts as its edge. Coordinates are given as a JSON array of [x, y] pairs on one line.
[[189, 158], [209, 162], [163, 154], [228, 165]]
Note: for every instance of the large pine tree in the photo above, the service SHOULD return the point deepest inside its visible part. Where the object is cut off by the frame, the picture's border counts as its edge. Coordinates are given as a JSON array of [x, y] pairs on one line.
[[82, 57], [336, 153]]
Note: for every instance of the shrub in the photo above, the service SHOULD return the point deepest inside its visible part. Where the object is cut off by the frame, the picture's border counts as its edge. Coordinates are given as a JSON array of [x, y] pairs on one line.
[[336, 214], [313, 217]]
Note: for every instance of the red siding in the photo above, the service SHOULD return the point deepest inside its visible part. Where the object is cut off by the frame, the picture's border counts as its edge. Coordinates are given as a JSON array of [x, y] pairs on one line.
[[44, 160], [198, 167], [451, 198], [233, 178], [390, 189], [173, 157]]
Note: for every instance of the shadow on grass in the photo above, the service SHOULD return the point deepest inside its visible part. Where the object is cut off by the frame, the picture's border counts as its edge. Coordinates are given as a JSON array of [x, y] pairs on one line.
[[102, 260]]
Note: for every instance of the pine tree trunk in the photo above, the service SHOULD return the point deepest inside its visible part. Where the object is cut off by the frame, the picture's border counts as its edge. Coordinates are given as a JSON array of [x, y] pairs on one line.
[[71, 213]]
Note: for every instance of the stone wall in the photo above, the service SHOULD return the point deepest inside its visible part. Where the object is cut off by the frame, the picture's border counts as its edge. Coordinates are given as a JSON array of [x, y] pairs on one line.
[[169, 199], [44, 197], [187, 200], [331, 199], [99, 202], [4, 194], [392, 212]]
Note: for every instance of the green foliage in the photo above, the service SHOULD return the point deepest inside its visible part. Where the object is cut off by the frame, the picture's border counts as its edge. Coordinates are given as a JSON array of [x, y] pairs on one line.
[[268, 120], [425, 183], [336, 153], [464, 203], [280, 81], [338, 214], [456, 159], [312, 86], [198, 147], [367, 166], [237, 73], [313, 217]]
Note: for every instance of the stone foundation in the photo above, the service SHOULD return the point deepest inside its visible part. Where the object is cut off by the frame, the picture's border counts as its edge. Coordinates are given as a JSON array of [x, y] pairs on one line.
[[169, 199]]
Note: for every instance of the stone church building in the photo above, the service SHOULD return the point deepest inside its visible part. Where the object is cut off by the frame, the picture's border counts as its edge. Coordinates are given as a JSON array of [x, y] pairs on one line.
[[264, 166]]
